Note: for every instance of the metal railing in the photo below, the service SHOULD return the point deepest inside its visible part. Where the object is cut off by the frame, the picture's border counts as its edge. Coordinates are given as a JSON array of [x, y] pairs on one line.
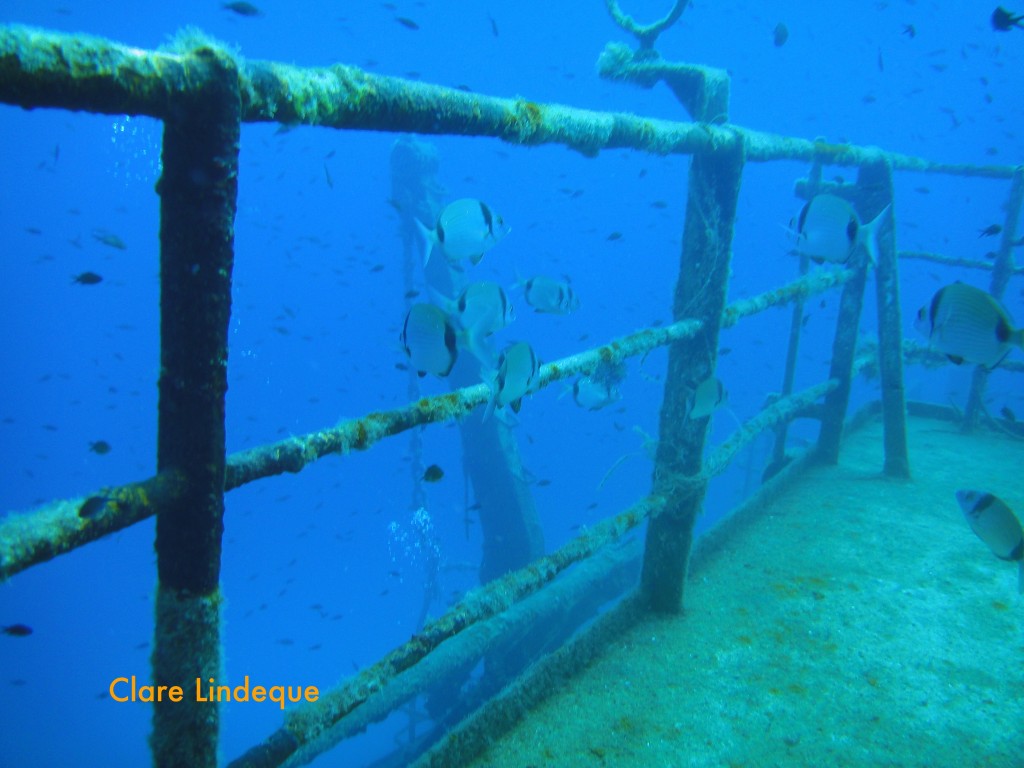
[[203, 93]]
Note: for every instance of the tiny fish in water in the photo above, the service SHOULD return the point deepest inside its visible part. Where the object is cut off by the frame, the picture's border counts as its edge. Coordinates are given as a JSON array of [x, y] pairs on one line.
[[18, 630], [615, 236], [432, 474], [780, 35], [1004, 20], [109, 239], [407, 23], [243, 9], [996, 525], [909, 30], [465, 229], [968, 325], [86, 278], [990, 231], [100, 447], [1007, 414]]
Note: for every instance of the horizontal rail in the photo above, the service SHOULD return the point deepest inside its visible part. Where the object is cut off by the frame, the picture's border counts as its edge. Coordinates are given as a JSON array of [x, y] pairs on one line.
[[35, 536], [953, 261], [43, 68]]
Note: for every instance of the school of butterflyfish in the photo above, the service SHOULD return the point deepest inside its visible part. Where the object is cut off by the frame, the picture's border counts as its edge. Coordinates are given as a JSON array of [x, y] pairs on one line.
[[435, 334], [964, 323]]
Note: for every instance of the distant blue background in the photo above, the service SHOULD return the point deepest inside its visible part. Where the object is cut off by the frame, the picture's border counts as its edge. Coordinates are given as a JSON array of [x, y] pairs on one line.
[[308, 559]]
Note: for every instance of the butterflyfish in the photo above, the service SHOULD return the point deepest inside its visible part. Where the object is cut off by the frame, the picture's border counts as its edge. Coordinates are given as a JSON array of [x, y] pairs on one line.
[[594, 393], [828, 229], [517, 375], [428, 338], [996, 525], [465, 229], [550, 296], [481, 309], [707, 398], [968, 325]]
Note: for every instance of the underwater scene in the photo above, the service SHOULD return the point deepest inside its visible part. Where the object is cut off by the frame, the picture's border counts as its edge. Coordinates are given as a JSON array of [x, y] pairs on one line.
[[508, 384]]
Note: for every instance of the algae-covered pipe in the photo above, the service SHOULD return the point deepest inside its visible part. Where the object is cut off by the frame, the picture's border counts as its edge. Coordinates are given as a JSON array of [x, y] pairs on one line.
[[198, 195], [1002, 270], [701, 292], [878, 178], [43, 68], [844, 343]]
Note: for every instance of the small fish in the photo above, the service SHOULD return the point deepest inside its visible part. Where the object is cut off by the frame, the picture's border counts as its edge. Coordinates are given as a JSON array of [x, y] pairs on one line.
[[428, 338], [1007, 414], [86, 278], [432, 474], [968, 325], [990, 231], [594, 394], [93, 507], [17, 630], [407, 23], [109, 239], [242, 9], [614, 236], [780, 35], [828, 229], [517, 375], [100, 447], [707, 398], [494, 25], [550, 296], [327, 176], [996, 525], [465, 229], [910, 31], [1004, 20]]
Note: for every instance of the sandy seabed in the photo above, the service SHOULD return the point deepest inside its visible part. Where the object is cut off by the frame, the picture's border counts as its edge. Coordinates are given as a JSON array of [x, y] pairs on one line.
[[857, 622]]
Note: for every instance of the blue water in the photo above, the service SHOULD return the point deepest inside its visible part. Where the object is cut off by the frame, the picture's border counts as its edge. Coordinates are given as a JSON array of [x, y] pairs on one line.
[[319, 573]]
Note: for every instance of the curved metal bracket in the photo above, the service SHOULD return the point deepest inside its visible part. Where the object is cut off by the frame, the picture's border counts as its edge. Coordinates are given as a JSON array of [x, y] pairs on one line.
[[646, 34]]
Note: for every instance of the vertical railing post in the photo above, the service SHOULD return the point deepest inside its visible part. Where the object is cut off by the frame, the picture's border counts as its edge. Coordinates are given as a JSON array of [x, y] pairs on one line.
[[870, 199], [700, 292], [1002, 270], [795, 326], [198, 190], [890, 329]]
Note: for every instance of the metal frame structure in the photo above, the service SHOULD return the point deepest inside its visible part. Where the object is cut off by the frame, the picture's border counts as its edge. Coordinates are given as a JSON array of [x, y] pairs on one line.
[[202, 92]]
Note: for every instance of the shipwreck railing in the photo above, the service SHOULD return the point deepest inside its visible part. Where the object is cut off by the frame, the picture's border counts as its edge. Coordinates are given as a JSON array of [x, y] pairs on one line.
[[203, 93]]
